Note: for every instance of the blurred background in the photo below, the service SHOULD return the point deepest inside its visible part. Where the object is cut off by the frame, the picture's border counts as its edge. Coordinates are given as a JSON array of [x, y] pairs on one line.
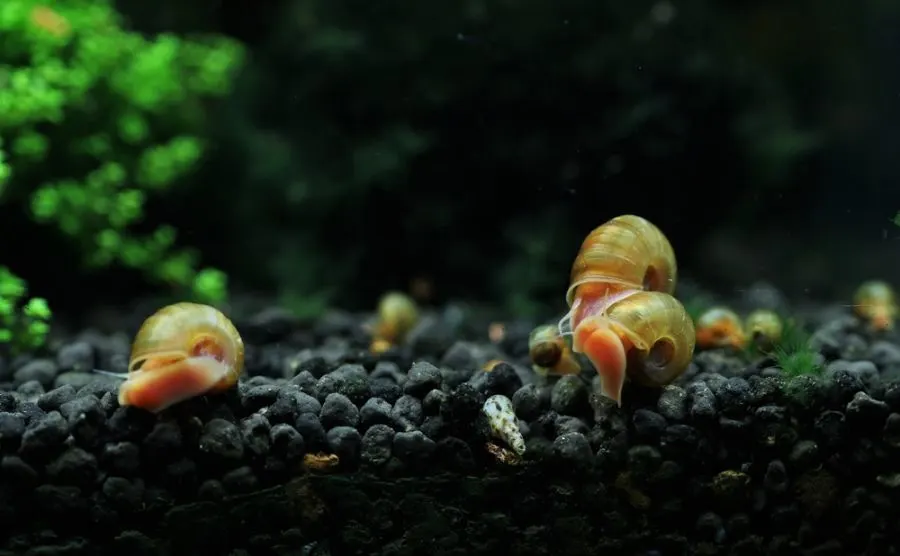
[[320, 153]]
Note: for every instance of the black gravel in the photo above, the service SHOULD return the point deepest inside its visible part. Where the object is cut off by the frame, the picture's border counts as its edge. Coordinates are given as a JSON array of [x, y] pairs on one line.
[[734, 458]]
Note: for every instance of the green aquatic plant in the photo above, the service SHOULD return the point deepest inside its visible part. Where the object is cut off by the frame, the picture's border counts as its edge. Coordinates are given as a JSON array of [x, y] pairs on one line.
[[793, 354], [96, 119], [698, 304], [24, 323]]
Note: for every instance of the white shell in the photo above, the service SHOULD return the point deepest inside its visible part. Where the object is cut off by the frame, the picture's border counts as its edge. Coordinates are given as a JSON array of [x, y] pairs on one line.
[[504, 425]]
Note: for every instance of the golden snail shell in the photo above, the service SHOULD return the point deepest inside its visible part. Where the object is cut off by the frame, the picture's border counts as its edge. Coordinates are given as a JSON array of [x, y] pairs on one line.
[[720, 327], [182, 351], [397, 315], [764, 327], [626, 253], [876, 303], [551, 353], [622, 314]]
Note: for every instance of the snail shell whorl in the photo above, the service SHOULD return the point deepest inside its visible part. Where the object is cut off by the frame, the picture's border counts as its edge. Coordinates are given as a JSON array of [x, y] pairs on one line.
[[182, 328], [661, 333], [627, 252]]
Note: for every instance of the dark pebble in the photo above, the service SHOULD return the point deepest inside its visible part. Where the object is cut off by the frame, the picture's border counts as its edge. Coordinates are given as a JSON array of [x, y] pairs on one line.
[[222, 440], [423, 377], [527, 402], [569, 396], [164, 442], [413, 446], [351, 380], [866, 410], [566, 423], [375, 412], [501, 379], [255, 431], [125, 495], [12, 427], [287, 443], [56, 397], [75, 467], [711, 527], [309, 426], [891, 432], [42, 371], [672, 403], [776, 478], [648, 424], [574, 449], [78, 357], [345, 443], [387, 390], [338, 411], [241, 480], [377, 445], [431, 404], [258, 397], [702, 401], [86, 418], [17, 472], [289, 403], [407, 413], [804, 455], [123, 458], [44, 436]]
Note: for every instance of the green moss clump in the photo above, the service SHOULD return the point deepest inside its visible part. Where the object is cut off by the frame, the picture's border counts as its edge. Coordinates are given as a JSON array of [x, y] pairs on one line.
[[95, 119], [24, 323], [793, 354]]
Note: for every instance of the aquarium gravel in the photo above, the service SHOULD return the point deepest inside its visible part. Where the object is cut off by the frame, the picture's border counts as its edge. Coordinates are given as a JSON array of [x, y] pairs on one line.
[[325, 448]]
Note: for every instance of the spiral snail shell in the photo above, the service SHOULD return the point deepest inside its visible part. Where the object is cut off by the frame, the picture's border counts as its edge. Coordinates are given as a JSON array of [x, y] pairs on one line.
[[720, 327], [765, 328], [551, 353], [876, 303], [181, 351], [622, 315]]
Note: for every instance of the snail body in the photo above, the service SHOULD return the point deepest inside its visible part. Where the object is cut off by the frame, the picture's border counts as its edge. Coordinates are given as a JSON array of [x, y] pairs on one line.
[[551, 353], [720, 327], [622, 314], [181, 351], [646, 336], [876, 303]]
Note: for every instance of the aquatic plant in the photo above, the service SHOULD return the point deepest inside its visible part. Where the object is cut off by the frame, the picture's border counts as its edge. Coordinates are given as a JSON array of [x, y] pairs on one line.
[[794, 354], [24, 323], [97, 119]]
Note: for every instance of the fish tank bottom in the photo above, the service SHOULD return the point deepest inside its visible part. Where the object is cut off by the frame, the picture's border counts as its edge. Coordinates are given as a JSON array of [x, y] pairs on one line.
[[334, 451]]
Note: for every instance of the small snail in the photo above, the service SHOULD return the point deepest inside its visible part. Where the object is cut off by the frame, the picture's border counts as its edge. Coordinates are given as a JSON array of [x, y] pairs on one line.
[[550, 352], [622, 315], [875, 303], [720, 327], [397, 314], [764, 327], [181, 351]]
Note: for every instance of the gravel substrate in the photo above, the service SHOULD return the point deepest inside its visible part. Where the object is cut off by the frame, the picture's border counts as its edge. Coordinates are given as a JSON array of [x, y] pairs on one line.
[[732, 459]]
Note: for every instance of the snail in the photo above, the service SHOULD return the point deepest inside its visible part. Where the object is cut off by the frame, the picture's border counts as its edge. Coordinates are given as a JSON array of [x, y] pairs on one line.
[[622, 315], [876, 304], [181, 351], [720, 327], [764, 327], [397, 314], [551, 353]]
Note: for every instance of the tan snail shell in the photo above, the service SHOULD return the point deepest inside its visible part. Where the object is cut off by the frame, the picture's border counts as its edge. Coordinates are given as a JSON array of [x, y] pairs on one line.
[[551, 353], [626, 253], [397, 315], [764, 328], [876, 303], [622, 314], [719, 327], [182, 351]]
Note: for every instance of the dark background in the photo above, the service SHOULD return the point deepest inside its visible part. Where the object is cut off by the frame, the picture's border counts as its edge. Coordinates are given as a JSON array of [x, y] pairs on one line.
[[474, 144]]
